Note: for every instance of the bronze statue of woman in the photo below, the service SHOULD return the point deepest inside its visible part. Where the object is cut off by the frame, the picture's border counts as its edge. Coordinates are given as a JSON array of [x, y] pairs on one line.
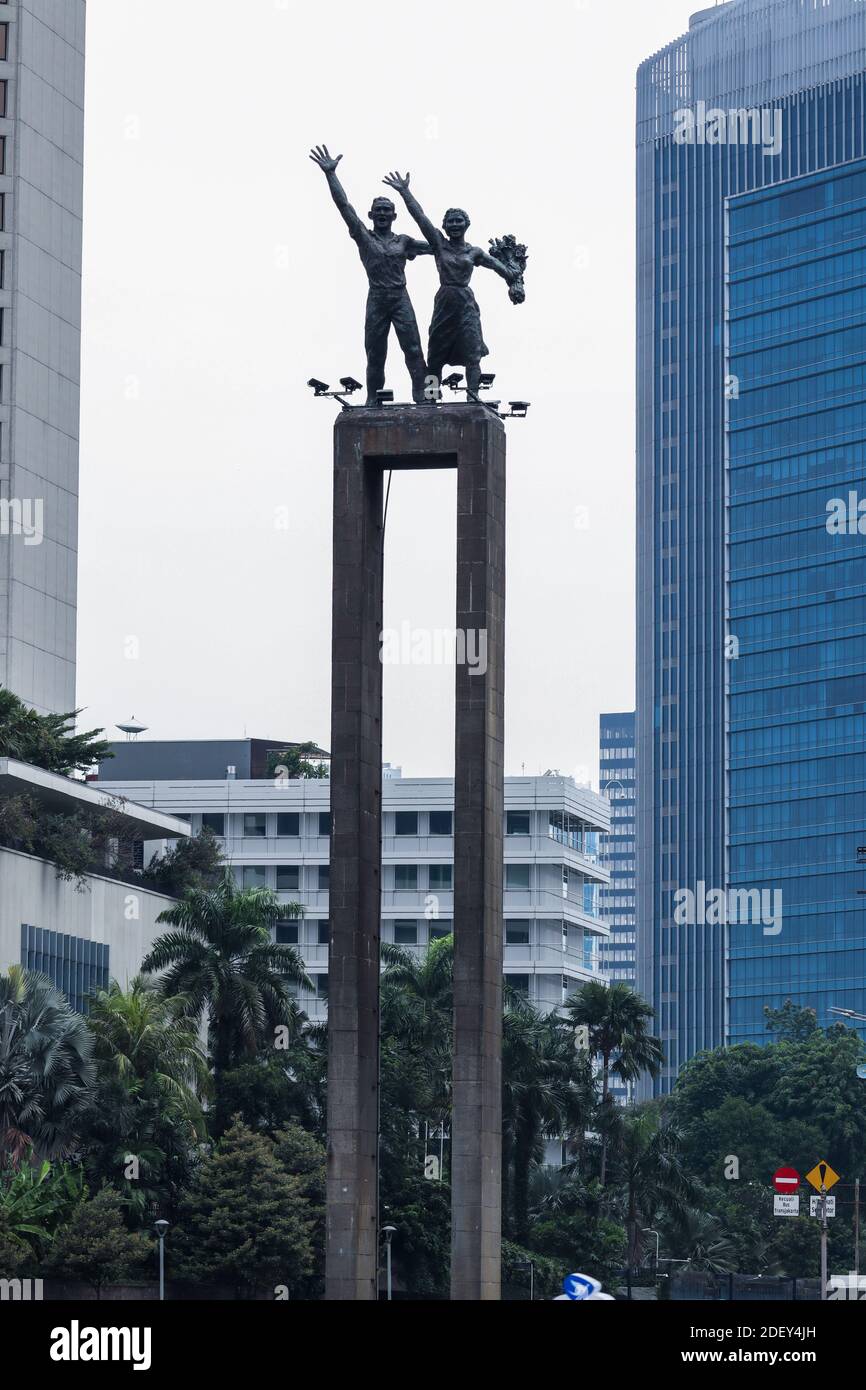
[[455, 331]]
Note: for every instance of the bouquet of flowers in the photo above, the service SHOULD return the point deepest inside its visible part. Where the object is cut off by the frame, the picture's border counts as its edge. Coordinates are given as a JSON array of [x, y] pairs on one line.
[[513, 255]]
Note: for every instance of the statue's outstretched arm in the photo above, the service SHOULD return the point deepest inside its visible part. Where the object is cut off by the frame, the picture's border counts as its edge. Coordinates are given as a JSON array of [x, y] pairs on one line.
[[402, 187], [491, 263], [328, 164]]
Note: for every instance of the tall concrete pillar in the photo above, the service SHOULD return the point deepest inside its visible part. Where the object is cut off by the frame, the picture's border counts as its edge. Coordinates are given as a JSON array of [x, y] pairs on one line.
[[476, 1132], [367, 443], [355, 879]]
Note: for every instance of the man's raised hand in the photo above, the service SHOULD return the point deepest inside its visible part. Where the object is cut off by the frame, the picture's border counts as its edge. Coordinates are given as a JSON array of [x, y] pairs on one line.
[[394, 180], [320, 155]]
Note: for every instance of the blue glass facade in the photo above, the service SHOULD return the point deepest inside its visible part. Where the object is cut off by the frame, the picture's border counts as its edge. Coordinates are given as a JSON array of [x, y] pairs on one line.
[[796, 346], [618, 848], [800, 65], [76, 966]]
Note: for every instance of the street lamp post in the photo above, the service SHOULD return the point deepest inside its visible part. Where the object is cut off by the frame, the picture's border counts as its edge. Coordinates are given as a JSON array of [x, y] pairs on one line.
[[161, 1227], [388, 1233]]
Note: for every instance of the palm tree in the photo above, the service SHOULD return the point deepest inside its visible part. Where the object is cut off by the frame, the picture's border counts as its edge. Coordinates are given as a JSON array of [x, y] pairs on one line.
[[222, 960], [416, 1023], [46, 1068], [151, 1072], [700, 1244], [546, 1095], [651, 1173], [618, 1022]]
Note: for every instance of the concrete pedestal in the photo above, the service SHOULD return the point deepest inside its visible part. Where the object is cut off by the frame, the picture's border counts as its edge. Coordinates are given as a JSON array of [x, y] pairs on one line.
[[367, 444]]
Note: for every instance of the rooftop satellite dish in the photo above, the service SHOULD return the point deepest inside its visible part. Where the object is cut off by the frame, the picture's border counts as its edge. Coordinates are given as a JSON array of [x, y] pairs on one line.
[[132, 729]]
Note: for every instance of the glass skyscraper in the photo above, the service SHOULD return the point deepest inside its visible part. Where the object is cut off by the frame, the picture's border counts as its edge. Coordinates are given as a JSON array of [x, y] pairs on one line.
[[751, 615], [617, 855], [796, 346], [617, 852]]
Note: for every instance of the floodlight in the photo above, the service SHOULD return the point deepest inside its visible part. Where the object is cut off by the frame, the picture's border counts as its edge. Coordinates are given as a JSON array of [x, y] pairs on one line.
[[384, 397], [349, 384], [321, 388], [487, 380]]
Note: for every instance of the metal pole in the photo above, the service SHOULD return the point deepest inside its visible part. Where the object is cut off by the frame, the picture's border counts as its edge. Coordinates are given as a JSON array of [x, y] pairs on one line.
[[388, 1268], [162, 1269], [532, 1281], [823, 1243], [857, 1229]]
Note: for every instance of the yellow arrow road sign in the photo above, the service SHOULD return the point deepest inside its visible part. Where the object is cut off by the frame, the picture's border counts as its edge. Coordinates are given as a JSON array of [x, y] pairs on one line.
[[822, 1177]]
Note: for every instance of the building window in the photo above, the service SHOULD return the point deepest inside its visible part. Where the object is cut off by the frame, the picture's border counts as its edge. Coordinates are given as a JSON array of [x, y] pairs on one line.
[[287, 933], [517, 822], [517, 933], [406, 823], [4, 97], [324, 878], [519, 983], [4, 42], [288, 878], [324, 933], [441, 822], [324, 824], [440, 929], [255, 876], [2, 270], [75, 965], [289, 825], [214, 822], [2, 154], [405, 933], [441, 877], [517, 877], [321, 983], [255, 826], [2, 212], [406, 878]]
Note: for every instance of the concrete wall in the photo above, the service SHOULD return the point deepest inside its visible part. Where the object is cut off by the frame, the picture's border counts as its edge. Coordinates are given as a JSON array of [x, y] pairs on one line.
[[118, 914]]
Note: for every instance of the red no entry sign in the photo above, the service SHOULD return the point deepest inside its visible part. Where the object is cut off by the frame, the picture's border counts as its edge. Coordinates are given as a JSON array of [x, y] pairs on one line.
[[786, 1180]]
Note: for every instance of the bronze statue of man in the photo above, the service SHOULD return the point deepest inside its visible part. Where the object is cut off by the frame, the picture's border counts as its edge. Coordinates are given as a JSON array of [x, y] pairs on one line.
[[384, 255]]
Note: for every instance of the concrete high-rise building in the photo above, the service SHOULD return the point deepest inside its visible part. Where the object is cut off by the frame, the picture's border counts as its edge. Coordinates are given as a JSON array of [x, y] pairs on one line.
[[616, 762], [41, 189], [751, 617], [618, 847], [275, 834]]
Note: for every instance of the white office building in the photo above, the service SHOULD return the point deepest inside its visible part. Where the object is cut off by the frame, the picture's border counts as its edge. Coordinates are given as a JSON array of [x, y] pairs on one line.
[[80, 934], [41, 190], [276, 835]]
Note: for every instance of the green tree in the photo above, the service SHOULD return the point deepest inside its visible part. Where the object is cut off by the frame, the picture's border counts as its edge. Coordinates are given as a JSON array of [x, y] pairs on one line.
[[276, 1089], [245, 1221], [301, 760], [46, 1068], [47, 740], [15, 1253], [36, 1198], [302, 1156], [791, 1024], [222, 960], [151, 1074], [547, 1094], [648, 1168], [96, 1247], [194, 862], [618, 1022], [698, 1241]]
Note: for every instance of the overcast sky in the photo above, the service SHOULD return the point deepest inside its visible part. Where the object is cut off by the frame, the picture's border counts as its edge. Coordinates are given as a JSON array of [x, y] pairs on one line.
[[219, 277]]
